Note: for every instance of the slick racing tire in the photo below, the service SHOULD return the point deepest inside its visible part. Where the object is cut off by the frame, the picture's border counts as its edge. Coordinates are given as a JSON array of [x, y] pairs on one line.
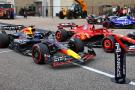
[[4, 40], [70, 15], [61, 35], [84, 14], [76, 45], [38, 53], [106, 24], [108, 44], [90, 21], [61, 15], [131, 35]]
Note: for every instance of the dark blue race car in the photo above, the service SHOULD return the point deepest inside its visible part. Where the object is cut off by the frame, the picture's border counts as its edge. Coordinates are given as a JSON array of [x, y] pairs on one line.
[[120, 22], [22, 40]]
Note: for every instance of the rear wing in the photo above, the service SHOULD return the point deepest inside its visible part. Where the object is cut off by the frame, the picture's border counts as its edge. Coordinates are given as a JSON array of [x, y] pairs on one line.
[[66, 25], [10, 29]]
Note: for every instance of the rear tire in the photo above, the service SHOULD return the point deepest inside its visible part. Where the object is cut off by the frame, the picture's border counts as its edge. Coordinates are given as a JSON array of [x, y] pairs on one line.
[[38, 51], [89, 21], [84, 14], [4, 40], [106, 24], [108, 44], [61, 35], [70, 15], [131, 35], [76, 45]]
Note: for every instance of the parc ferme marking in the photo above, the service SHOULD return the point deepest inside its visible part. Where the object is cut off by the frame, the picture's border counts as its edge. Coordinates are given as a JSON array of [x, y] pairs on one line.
[[100, 72]]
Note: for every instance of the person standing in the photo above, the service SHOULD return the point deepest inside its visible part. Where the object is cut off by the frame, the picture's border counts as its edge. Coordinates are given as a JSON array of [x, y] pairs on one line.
[[25, 13], [125, 11], [129, 11]]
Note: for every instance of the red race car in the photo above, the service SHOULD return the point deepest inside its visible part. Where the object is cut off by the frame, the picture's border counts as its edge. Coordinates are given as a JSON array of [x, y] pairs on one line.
[[83, 32], [89, 35]]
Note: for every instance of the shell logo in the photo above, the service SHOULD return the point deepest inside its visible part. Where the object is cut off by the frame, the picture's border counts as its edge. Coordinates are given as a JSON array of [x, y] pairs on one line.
[[84, 36]]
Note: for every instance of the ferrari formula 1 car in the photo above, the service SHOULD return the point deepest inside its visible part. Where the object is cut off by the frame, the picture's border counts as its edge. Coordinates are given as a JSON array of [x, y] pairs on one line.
[[89, 35], [120, 22], [128, 42], [22, 40], [57, 54], [86, 32]]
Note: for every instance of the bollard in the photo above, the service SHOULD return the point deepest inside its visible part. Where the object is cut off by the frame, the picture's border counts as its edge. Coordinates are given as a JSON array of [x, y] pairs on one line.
[[120, 63]]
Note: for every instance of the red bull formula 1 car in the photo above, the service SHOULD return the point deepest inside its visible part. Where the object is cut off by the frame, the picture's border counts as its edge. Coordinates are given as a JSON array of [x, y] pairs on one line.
[[89, 35], [57, 54], [22, 40]]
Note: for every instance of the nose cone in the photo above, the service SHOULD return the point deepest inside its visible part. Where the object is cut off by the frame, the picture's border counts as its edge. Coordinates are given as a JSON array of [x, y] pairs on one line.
[[73, 54]]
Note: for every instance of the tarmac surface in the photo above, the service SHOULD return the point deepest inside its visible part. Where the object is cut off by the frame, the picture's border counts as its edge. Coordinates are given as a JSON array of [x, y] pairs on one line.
[[19, 72]]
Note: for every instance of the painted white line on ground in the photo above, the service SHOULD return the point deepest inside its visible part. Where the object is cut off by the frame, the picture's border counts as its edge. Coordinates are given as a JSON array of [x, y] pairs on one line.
[[100, 72], [132, 83], [95, 70], [6, 51]]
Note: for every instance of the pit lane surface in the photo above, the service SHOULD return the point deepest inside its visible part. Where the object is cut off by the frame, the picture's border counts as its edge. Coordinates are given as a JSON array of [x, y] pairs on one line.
[[18, 72]]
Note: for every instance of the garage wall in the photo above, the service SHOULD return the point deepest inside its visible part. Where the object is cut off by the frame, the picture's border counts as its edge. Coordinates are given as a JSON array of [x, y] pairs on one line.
[[21, 3], [66, 2]]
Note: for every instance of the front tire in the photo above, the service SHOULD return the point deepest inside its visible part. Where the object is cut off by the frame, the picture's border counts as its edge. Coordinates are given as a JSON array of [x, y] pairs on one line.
[[38, 51], [76, 45], [106, 24], [108, 44], [61, 15]]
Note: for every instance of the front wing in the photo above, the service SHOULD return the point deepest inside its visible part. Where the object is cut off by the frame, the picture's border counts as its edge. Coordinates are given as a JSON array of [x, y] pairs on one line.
[[64, 59]]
